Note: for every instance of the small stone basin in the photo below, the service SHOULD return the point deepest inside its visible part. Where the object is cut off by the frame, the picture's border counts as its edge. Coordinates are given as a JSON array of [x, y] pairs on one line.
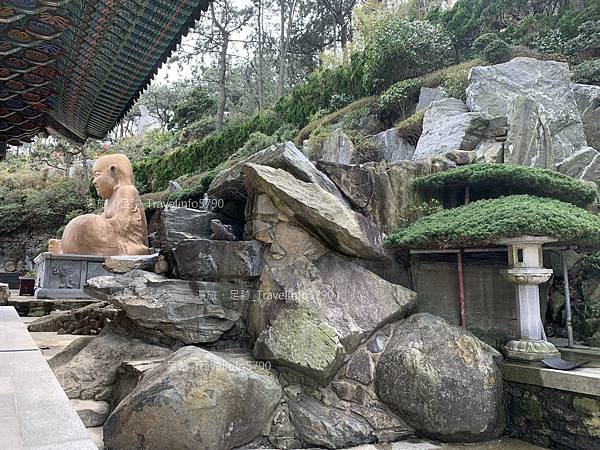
[[527, 275]]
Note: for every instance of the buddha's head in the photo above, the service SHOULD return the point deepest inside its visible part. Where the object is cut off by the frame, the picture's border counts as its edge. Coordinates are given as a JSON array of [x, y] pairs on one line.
[[110, 173]]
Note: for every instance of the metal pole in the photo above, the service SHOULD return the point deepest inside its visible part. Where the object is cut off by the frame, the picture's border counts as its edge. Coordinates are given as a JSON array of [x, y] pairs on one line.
[[461, 288], [567, 299]]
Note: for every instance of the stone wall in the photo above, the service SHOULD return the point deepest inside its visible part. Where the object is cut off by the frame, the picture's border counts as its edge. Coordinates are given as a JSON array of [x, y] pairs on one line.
[[16, 249], [490, 305], [553, 418]]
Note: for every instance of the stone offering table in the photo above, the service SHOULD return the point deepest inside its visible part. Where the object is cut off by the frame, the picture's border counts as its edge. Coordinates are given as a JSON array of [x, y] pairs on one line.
[[63, 276]]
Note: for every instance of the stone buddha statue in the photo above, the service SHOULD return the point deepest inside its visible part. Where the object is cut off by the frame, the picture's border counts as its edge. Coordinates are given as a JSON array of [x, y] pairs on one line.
[[121, 229]]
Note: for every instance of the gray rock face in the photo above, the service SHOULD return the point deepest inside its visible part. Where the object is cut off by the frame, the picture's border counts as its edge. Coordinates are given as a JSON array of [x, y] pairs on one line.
[[382, 192], [442, 380], [318, 211], [361, 367], [493, 89], [587, 98], [448, 125], [123, 264], [91, 413], [90, 373], [191, 312], [584, 164], [195, 400], [338, 148], [429, 95], [178, 224], [330, 306], [489, 151], [391, 147], [128, 376], [529, 142], [328, 427], [203, 259], [69, 352], [229, 184]]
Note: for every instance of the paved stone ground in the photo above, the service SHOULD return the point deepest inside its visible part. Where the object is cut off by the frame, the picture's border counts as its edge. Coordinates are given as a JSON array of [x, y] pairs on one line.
[[34, 410]]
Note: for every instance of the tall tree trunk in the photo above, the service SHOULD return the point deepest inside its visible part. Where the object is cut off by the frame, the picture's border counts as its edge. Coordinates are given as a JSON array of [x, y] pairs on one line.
[[220, 117], [284, 43], [260, 56], [281, 71]]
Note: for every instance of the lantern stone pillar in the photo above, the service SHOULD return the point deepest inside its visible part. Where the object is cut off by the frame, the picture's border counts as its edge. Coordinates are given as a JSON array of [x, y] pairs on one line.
[[526, 271]]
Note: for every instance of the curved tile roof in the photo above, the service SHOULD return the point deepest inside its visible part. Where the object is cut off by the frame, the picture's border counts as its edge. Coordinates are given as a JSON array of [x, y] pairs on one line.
[[76, 67]]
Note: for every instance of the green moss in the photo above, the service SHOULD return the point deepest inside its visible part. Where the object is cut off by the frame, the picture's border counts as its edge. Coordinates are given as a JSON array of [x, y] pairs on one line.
[[494, 180], [411, 128], [404, 94], [362, 107], [484, 222]]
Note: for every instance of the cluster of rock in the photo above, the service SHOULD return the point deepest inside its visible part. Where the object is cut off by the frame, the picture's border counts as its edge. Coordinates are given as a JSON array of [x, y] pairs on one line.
[[88, 320], [523, 112], [300, 335]]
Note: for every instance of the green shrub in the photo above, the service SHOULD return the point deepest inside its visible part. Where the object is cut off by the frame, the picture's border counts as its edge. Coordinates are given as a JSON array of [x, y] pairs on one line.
[[197, 130], [494, 180], [587, 72], [497, 52], [362, 107], [484, 222], [482, 41], [401, 96], [587, 40], [153, 174], [323, 90], [401, 49], [411, 129], [365, 150], [47, 209]]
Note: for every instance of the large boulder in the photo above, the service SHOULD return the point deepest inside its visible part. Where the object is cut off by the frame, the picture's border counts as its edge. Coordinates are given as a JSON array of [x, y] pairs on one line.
[[493, 89], [176, 225], [229, 184], [89, 373], [191, 312], [204, 259], [338, 148], [529, 141], [329, 427], [382, 192], [587, 98], [391, 147], [429, 95], [442, 380], [447, 126], [318, 211], [195, 400], [314, 307], [584, 164]]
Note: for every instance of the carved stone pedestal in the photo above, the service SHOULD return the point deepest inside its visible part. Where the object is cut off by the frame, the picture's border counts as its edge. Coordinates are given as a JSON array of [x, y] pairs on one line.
[[63, 276]]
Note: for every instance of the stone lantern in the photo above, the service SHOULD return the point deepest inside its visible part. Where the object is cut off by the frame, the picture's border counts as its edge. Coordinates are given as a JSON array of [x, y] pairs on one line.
[[526, 271]]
